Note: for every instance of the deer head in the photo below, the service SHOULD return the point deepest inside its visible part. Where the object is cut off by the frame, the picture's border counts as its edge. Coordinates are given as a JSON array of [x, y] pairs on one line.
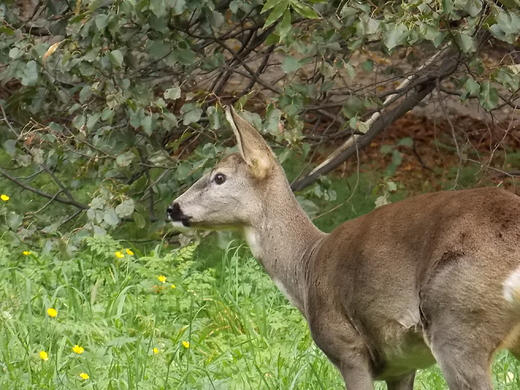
[[232, 195]]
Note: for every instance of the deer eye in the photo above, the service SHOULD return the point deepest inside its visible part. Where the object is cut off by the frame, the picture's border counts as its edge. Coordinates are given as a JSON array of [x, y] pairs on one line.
[[219, 178]]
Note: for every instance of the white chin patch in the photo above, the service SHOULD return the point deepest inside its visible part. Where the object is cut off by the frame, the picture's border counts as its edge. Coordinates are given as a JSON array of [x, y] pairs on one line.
[[178, 225]]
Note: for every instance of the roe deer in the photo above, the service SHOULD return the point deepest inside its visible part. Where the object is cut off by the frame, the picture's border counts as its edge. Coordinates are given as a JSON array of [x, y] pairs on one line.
[[435, 277]]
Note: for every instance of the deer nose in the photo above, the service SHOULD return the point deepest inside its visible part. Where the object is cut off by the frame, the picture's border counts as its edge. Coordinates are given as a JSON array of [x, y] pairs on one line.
[[174, 213]]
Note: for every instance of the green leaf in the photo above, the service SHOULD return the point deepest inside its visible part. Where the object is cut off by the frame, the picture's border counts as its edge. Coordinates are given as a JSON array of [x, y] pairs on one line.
[[351, 71], [447, 7], [172, 93], [192, 116], [407, 141], [116, 58], [125, 159], [185, 56], [125, 208], [170, 120], [304, 10], [391, 186], [367, 65], [15, 53], [269, 4], [507, 27], [139, 220], [308, 206], [94, 4], [111, 218], [14, 220], [158, 8], [10, 147], [214, 116], [276, 13], [290, 64], [216, 19], [473, 7], [79, 121], [466, 42], [488, 96], [472, 87], [159, 49], [30, 74], [92, 120], [85, 93], [101, 21], [395, 36], [147, 124], [285, 25], [97, 203]]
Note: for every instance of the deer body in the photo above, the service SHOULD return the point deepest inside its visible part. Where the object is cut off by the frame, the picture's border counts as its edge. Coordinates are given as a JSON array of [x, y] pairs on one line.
[[432, 278]]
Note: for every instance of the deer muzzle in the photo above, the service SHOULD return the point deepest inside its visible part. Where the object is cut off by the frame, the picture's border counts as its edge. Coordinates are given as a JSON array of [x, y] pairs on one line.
[[176, 216]]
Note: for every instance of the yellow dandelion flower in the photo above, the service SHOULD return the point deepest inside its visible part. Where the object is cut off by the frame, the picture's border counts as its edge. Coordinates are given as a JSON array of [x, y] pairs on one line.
[[155, 350], [44, 355], [173, 286], [119, 255], [129, 252], [4, 197], [84, 376], [186, 344], [162, 278], [77, 349], [51, 312], [26, 253]]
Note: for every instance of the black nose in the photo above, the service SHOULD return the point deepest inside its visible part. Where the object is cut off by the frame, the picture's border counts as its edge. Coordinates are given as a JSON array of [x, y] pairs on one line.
[[174, 213]]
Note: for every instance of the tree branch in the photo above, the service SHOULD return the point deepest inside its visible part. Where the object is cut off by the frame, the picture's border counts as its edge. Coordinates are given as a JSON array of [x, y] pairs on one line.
[[428, 84], [43, 193]]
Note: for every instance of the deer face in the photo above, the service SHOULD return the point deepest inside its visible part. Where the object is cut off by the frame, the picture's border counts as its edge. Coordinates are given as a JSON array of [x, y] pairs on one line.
[[225, 198], [233, 194]]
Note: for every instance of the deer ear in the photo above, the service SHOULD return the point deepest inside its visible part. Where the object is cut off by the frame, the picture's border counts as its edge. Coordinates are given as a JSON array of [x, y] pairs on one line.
[[254, 150]]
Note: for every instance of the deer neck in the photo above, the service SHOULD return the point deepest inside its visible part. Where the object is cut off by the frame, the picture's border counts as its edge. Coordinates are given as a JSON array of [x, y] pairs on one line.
[[283, 239]]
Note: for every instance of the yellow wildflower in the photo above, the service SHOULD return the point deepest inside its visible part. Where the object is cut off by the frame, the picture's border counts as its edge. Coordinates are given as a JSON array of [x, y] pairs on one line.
[[44, 355], [155, 350], [77, 349], [84, 376], [186, 344], [4, 197], [51, 312], [26, 253], [129, 252], [173, 286], [162, 278], [119, 255]]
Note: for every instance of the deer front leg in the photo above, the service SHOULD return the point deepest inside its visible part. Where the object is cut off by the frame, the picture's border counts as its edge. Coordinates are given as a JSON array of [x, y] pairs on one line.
[[345, 348]]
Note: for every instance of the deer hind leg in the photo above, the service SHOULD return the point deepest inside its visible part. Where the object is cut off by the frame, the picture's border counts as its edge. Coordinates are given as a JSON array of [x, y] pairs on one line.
[[466, 318], [463, 368], [404, 383], [463, 350]]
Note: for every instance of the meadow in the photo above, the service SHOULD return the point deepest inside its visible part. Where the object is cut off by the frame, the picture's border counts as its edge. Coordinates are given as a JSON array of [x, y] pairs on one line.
[[115, 318]]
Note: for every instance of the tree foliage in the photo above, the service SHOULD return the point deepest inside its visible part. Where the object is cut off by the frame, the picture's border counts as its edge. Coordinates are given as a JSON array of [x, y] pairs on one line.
[[110, 108]]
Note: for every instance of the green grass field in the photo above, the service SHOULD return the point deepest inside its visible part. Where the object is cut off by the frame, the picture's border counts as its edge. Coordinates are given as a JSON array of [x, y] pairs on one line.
[[158, 321]]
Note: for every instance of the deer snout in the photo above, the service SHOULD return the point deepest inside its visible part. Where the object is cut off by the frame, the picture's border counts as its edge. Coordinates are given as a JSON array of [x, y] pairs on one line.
[[175, 214]]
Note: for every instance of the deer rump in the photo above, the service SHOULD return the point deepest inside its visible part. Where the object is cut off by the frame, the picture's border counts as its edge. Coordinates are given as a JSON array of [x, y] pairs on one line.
[[435, 277]]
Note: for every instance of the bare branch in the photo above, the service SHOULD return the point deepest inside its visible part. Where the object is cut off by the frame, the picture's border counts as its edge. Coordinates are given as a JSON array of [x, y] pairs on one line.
[[71, 202], [448, 66]]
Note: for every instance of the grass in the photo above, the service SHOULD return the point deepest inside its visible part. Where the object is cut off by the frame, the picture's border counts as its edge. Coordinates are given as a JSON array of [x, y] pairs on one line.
[[225, 327]]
